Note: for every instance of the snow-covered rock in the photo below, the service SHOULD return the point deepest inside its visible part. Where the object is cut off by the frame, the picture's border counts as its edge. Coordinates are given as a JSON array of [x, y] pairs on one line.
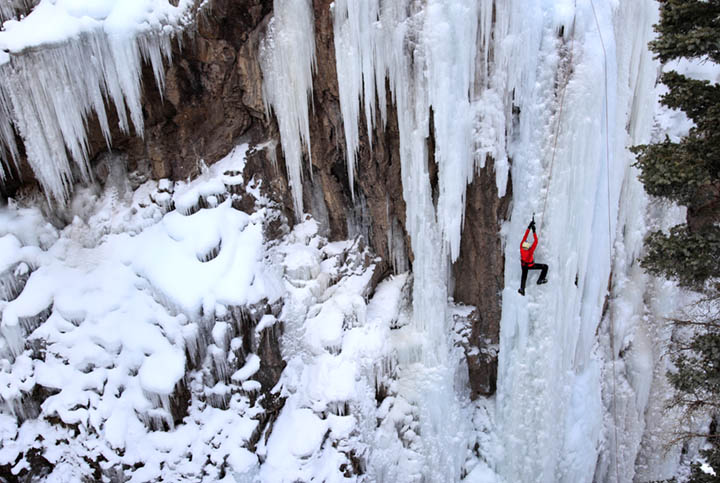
[[123, 339]]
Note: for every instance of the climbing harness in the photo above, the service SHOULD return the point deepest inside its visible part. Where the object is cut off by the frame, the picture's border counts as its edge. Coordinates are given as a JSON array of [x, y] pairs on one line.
[[610, 316]]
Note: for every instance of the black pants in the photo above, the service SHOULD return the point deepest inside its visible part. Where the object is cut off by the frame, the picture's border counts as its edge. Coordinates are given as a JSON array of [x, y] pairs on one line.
[[536, 266]]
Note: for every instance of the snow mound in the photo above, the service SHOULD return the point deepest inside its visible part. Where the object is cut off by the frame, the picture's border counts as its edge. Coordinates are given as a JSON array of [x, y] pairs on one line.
[[54, 22], [121, 343], [356, 396]]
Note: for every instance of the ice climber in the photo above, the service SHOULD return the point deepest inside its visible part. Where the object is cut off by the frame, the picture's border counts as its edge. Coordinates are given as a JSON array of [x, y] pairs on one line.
[[527, 259]]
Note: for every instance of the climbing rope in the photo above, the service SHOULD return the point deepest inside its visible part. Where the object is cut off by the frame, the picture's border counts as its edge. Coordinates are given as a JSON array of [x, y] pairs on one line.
[[559, 117], [610, 317], [607, 161]]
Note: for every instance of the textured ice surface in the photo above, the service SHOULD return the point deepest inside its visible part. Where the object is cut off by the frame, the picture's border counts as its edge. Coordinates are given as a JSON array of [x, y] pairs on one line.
[[562, 88], [570, 365], [287, 57]]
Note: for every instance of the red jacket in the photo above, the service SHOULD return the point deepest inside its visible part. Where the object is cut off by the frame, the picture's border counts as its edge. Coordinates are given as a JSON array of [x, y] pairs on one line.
[[526, 256]]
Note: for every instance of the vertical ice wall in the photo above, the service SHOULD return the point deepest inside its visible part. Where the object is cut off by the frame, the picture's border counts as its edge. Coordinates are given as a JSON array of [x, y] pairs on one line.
[[488, 78], [560, 388], [638, 338], [287, 58]]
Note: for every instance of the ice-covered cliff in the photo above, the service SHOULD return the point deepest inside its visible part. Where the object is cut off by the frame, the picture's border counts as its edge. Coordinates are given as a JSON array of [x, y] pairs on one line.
[[562, 89], [431, 130]]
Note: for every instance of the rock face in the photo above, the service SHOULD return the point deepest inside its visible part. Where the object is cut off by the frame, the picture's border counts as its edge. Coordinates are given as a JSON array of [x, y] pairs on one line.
[[378, 191], [213, 95], [378, 211], [478, 275], [213, 98]]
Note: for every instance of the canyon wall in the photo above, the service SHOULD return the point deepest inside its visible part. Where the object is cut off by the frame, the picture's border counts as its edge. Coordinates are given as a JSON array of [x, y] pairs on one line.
[[213, 98]]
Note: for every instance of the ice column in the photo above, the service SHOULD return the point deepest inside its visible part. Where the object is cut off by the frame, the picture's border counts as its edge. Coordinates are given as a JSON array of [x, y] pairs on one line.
[[354, 33], [638, 342], [7, 137], [553, 381], [287, 59], [450, 36]]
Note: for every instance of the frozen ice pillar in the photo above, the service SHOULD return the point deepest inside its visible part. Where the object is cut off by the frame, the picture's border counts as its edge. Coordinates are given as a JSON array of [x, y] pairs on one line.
[[287, 58]]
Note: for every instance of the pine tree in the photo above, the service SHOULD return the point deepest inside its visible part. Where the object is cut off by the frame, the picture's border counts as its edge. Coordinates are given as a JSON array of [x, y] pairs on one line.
[[688, 28], [688, 172]]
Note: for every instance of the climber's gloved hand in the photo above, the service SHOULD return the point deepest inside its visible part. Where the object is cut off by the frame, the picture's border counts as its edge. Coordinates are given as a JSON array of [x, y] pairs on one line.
[[532, 226]]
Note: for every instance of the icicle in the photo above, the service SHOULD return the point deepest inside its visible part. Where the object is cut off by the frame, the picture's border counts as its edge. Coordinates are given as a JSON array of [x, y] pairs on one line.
[[13, 8], [14, 338], [219, 395], [219, 364], [13, 280], [449, 35], [287, 59], [485, 40], [7, 137], [18, 393], [166, 408], [156, 49], [222, 335], [50, 105], [354, 28], [396, 247], [195, 347]]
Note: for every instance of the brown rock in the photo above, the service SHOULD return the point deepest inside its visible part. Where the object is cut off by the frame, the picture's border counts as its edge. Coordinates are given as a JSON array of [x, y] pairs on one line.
[[212, 97], [479, 274], [378, 186]]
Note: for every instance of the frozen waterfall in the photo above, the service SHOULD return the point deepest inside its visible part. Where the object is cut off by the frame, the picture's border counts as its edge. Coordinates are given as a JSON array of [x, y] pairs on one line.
[[287, 57], [558, 399], [476, 65], [553, 91]]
